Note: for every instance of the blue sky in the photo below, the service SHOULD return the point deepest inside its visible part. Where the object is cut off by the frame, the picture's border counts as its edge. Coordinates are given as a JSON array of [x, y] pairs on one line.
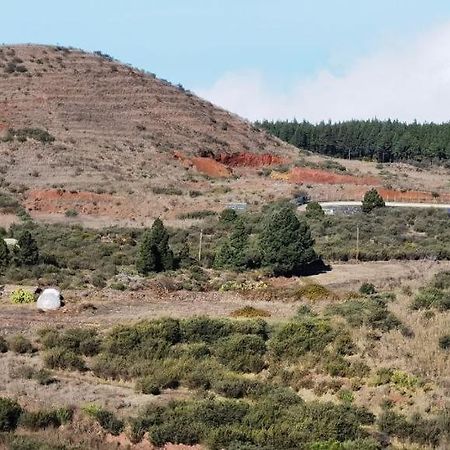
[[198, 42]]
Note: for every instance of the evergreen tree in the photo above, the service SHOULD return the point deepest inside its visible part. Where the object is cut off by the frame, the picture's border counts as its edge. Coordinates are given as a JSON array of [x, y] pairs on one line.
[[4, 253], [372, 199], [184, 258], [28, 252], [314, 210], [233, 252], [155, 255], [286, 244]]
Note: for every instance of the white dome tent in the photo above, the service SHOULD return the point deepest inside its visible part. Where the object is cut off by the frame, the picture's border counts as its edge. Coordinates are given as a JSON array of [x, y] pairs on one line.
[[49, 300]]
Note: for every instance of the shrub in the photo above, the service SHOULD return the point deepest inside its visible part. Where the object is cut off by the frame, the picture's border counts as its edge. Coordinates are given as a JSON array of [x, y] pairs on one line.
[[147, 385], [106, 419], [293, 340], [44, 419], [10, 412], [3, 345], [314, 292], [241, 353], [71, 213], [196, 214], [61, 358], [21, 296], [233, 386], [250, 312], [20, 344], [367, 289], [432, 297], [444, 342]]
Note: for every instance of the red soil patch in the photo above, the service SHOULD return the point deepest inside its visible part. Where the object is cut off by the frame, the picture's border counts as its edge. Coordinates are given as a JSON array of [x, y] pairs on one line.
[[211, 167], [392, 195], [307, 175], [249, 159], [219, 165], [59, 201]]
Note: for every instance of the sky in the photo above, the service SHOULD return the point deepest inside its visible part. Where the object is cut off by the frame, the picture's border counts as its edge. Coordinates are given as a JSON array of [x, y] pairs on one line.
[[264, 59]]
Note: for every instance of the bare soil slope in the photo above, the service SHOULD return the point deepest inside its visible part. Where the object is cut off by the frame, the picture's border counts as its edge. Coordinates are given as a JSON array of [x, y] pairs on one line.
[[117, 130]]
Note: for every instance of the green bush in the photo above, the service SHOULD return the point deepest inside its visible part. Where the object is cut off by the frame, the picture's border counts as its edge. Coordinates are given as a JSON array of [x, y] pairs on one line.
[[61, 358], [432, 297], [294, 339], [21, 296], [20, 344], [367, 289], [106, 419], [241, 353], [44, 419], [10, 412]]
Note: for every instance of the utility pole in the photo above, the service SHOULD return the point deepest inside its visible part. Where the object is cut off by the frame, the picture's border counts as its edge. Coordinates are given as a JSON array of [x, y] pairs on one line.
[[357, 242], [200, 245]]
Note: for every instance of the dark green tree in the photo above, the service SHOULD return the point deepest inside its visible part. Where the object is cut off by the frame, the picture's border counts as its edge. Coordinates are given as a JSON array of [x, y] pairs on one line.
[[286, 244], [232, 253], [155, 254], [228, 215], [4, 253], [372, 199], [28, 252], [314, 210]]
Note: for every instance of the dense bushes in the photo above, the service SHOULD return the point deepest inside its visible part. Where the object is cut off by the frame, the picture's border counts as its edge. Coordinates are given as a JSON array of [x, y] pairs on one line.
[[432, 297], [294, 339], [270, 423], [372, 312]]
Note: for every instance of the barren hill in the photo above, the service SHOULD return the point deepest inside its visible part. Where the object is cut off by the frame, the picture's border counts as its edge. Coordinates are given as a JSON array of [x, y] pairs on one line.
[[113, 131]]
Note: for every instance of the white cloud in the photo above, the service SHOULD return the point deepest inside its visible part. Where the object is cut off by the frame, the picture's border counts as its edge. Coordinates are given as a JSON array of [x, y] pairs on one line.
[[406, 81]]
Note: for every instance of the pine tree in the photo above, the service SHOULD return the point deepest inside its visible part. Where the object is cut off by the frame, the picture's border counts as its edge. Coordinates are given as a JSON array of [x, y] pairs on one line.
[[372, 199], [233, 252], [4, 253], [155, 255], [28, 253], [286, 244]]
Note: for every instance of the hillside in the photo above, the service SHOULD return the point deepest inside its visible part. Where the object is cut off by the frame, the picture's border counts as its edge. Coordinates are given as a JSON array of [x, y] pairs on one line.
[[120, 136], [84, 138]]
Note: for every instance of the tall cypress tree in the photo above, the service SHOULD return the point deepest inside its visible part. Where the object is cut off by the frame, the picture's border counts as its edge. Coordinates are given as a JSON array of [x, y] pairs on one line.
[[28, 253], [286, 244], [155, 255]]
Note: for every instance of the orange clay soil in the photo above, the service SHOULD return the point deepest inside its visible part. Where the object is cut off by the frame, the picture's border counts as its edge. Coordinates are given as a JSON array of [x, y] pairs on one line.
[[307, 175]]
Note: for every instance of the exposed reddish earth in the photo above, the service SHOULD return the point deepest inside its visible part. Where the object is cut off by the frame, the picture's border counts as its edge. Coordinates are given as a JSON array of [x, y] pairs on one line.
[[211, 167], [307, 175], [59, 201], [246, 159]]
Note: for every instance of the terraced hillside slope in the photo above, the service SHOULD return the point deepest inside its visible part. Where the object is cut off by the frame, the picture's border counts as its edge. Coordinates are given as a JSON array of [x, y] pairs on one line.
[[86, 132]]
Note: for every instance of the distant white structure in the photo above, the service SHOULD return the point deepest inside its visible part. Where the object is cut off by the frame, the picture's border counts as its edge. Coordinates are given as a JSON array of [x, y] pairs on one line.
[[10, 242], [49, 300]]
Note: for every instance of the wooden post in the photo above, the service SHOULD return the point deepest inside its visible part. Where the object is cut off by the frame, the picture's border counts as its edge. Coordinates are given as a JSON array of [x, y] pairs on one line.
[[200, 245], [357, 242]]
